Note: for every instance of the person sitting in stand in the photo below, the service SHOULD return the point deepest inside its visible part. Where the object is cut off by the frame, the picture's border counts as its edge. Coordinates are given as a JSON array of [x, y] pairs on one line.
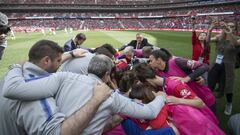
[[139, 43]]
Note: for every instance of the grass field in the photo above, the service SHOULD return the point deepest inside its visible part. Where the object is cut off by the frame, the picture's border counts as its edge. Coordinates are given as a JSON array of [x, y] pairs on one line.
[[179, 43]]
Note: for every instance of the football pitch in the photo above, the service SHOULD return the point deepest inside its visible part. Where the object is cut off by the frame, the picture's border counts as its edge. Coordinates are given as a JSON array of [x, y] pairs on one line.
[[178, 43]]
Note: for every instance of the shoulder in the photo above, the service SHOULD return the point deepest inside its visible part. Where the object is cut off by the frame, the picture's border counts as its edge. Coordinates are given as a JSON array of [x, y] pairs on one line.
[[69, 42]]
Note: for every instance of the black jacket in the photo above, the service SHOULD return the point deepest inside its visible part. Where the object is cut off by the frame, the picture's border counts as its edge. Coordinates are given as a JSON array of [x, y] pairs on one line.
[[133, 43]]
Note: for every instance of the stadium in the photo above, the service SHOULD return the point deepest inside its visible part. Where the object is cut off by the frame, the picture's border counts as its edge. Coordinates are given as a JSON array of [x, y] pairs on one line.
[[164, 23]]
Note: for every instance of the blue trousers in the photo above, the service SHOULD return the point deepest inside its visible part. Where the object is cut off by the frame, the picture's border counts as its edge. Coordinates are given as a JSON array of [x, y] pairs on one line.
[[131, 128]]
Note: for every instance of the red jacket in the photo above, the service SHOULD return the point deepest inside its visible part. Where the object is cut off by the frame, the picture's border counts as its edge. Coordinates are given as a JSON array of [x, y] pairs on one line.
[[198, 50]]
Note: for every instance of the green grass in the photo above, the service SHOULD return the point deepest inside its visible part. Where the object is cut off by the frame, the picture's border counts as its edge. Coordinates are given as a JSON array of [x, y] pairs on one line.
[[179, 43]]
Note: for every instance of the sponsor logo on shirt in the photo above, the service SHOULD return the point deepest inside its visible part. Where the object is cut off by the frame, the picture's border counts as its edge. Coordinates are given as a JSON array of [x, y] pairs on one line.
[[184, 93]]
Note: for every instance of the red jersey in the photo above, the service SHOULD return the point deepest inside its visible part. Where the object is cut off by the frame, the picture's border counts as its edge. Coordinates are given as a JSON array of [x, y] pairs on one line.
[[157, 123]]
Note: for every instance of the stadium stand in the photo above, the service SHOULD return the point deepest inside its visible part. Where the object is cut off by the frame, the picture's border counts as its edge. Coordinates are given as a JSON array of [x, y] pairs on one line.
[[120, 15]]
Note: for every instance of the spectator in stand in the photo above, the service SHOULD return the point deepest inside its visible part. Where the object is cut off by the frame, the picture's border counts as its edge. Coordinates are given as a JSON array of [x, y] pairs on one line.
[[4, 30], [74, 43], [139, 43]]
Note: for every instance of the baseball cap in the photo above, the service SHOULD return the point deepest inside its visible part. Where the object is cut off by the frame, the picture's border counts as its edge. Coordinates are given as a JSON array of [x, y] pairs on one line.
[[3, 19]]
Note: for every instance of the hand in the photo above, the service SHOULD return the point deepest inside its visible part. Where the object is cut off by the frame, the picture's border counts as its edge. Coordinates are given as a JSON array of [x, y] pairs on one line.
[[227, 30], [213, 25], [223, 24], [112, 84], [200, 80], [78, 53], [172, 100], [183, 80], [101, 91]]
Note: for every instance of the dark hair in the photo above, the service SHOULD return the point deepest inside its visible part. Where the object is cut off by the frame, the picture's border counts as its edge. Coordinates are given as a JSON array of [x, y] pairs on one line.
[[44, 48], [4, 29], [127, 80], [110, 48], [206, 46], [104, 51], [81, 36], [162, 53], [143, 71], [147, 50], [142, 92]]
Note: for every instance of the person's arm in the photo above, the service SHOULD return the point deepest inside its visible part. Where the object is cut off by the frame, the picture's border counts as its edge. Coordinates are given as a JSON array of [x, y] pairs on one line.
[[112, 123], [76, 53], [195, 102], [77, 122], [45, 118], [209, 32], [15, 86], [193, 68], [128, 107], [194, 35], [193, 24], [67, 48], [40, 117], [161, 119], [184, 95], [233, 38]]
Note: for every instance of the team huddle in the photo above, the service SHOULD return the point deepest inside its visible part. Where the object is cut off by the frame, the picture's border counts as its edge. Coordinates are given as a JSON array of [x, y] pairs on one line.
[[138, 89]]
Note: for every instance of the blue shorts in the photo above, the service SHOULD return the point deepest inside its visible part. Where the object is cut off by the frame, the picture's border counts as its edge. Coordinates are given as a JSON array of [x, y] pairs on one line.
[[131, 128]]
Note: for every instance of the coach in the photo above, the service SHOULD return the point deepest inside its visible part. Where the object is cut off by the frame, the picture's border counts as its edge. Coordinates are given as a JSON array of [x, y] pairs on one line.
[[74, 43], [139, 43]]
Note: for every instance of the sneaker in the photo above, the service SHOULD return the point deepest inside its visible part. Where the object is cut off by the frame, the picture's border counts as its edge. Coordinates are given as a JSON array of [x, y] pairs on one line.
[[228, 109]]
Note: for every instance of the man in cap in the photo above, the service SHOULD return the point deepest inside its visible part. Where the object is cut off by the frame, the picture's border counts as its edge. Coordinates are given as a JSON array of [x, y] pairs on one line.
[[4, 29]]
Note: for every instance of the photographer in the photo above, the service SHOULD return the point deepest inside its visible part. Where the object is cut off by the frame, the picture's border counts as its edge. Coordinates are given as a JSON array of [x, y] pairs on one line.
[[222, 70], [4, 29]]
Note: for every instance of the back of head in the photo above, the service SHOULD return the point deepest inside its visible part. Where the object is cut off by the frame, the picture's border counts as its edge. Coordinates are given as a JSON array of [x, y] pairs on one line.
[[142, 92], [144, 71], [128, 49], [147, 50], [44, 48], [104, 51], [100, 65], [81, 36], [162, 53], [126, 82], [110, 48]]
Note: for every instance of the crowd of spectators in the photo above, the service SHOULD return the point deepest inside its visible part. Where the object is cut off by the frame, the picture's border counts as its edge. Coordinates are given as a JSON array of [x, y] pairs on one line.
[[115, 2], [177, 22], [180, 18], [111, 2], [169, 12]]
